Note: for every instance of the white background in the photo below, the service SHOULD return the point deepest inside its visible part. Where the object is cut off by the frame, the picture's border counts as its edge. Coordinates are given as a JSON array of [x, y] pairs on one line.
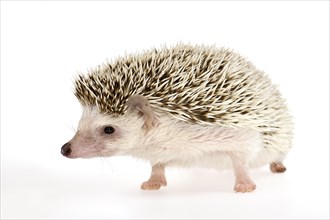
[[45, 44]]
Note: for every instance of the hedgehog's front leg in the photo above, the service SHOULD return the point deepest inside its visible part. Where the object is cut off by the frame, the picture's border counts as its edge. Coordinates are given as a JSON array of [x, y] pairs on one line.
[[243, 181], [156, 180]]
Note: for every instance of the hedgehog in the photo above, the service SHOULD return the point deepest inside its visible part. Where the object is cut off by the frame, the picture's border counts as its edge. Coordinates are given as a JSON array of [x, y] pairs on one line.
[[183, 106]]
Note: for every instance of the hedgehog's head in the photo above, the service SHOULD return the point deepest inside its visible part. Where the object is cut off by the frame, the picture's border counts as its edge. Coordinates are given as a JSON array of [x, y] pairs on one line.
[[105, 135]]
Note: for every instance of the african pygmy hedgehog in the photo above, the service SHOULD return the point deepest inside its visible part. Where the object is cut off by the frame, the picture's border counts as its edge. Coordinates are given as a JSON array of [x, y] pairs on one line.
[[183, 106]]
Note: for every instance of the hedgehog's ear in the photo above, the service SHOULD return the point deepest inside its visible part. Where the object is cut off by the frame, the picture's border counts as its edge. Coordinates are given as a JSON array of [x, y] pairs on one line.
[[140, 104]]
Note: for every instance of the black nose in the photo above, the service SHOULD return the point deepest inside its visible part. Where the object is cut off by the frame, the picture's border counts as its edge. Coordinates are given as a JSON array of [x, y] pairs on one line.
[[66, 149]]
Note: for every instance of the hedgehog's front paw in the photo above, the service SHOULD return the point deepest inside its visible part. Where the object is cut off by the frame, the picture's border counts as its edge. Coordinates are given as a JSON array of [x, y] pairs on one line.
[[244, 186], [154, 183], [151, 185]]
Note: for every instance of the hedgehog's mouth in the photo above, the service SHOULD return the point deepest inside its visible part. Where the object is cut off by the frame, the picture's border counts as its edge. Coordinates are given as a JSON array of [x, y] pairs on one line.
[[86, 155], [83, 153], [74, 152]]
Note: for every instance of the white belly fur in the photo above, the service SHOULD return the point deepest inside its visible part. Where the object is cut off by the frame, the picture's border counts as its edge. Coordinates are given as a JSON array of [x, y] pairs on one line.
[[176, 143]]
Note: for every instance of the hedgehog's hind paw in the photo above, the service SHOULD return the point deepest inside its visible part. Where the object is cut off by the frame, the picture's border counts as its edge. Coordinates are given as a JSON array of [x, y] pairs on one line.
[[277, 167], [245, 185]]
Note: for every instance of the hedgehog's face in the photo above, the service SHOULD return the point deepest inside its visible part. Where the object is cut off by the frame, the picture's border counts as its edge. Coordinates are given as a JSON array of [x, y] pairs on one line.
[[102, 135]]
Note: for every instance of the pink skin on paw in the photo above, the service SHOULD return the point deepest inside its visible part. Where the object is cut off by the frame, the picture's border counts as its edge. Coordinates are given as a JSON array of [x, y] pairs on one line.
[[243, 180], [152, 185], [156, 180], [244, 186]]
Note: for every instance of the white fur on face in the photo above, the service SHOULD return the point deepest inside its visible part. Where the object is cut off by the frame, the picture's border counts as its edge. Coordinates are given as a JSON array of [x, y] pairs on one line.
[[91, 141]]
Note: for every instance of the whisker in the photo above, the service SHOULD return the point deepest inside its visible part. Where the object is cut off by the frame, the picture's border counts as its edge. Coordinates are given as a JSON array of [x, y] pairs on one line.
[[73, 128], [104, 160]]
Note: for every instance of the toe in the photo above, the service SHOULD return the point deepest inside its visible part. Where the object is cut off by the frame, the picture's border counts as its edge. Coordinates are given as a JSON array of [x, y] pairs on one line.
[[150, 186], [244, 187]]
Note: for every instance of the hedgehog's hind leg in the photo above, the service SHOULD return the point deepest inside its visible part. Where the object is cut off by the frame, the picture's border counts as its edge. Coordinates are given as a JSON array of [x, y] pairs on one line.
[[277, 167], [157, 178], [243, 181]]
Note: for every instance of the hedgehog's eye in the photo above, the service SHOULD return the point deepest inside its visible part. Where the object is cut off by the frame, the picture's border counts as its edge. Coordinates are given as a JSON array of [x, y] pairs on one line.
[[108, 130]]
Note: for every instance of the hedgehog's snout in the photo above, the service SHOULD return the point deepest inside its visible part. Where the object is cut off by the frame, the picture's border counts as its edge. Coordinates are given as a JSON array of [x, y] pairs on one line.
[[66, 149]]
